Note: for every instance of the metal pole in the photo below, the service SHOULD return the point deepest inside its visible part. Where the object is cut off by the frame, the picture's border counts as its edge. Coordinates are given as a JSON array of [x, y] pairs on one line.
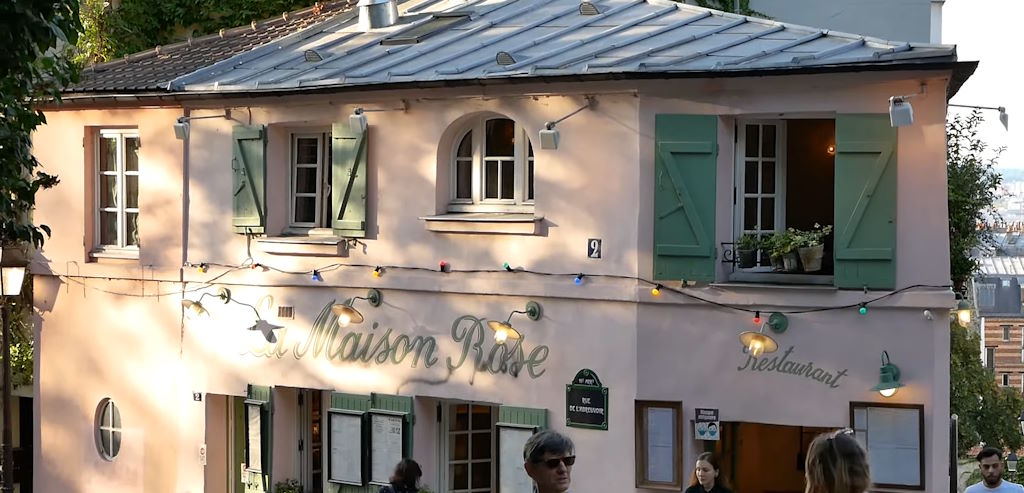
[[8, 451]]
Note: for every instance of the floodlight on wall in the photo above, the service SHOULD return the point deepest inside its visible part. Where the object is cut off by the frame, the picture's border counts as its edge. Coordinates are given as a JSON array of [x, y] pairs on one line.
[[504, 331], [549, 136], [1004, 118], [347, 314], [888, 377], [901, 113], [182, 126], [757, 343], [357, 120]]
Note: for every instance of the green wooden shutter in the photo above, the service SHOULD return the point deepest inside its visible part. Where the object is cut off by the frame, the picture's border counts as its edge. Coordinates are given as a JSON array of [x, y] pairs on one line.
[[258, 394], [685, 168], [356, 403], [348, 181], [523, 416], [865, 207], [249, 170]]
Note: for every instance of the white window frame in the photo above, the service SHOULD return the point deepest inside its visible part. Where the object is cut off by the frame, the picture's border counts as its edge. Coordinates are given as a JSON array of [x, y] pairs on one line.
[[521, 202], [119, 173], [444, 480], [740, 181], [323, 185]]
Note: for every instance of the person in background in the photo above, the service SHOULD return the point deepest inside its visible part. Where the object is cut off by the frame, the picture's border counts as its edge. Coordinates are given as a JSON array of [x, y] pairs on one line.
[[990, 461], [548, 459], [405, 479], [705, 478], [836, 463]]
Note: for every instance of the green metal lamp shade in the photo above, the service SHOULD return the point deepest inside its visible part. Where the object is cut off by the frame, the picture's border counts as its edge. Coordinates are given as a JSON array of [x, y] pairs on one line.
[[757, 343], [347, 314], [888, 378]]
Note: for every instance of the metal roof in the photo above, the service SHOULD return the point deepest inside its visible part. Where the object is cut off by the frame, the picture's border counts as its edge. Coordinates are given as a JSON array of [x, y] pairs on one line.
[[504, 39], [153, 69], [1001, 266]]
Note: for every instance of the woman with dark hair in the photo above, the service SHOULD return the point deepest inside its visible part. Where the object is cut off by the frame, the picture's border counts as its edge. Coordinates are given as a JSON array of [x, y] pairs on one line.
[[706, 477], [405, 479], [836, 463]]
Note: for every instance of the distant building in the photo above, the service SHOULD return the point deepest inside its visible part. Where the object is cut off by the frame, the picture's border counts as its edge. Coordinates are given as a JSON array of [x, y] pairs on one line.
[[1002, 326]]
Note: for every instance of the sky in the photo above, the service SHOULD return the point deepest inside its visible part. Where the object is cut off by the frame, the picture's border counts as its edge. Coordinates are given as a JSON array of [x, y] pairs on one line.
[[992, 33]]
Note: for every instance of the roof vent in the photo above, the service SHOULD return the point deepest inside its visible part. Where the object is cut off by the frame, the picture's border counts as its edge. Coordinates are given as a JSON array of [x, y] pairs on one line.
[[587, 8], [313, 56], [374, 14], [504, 58]]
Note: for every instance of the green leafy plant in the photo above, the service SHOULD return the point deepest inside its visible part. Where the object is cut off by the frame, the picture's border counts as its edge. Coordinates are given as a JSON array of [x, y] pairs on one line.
[[783, 242], [748, 241], [813, 237], [288, 486]]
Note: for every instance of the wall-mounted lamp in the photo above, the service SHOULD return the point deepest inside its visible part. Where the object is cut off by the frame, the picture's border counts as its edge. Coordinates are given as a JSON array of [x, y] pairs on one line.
[[347, 314], [549, 134], [1003, 117], [758, 343], [1022, 421], [181, 127], [888, 377], [901, 113], [357, 120], [196, 307], [504, 330], [831, 149], [1011, 462], [963, 313]]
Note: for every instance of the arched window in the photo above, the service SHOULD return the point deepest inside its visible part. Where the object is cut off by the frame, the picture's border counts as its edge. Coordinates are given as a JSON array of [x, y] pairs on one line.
[[492, 167], [108, 429]]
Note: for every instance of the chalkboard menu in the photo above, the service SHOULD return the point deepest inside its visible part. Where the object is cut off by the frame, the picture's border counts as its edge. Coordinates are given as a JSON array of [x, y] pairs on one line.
[[586, 402]]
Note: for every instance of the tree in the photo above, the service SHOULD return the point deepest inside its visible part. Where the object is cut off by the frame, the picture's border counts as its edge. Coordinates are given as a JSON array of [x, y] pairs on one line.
[[729, 6], [972, 187], [35, 35]]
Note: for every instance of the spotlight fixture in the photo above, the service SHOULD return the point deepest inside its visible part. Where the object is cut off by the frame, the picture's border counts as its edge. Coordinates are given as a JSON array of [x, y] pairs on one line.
[[182, 126], [901, 113], [347, 314], [357, 121], [888, 378], [197, 308], [1003, 117], [758, 343], [504, 331], [549, 136]]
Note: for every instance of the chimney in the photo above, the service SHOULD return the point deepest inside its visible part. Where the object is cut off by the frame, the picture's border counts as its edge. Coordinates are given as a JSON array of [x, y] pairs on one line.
[[374, 14]]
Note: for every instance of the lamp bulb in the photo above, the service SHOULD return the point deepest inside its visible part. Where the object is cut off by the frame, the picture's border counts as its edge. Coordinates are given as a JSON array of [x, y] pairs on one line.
[[377, 272], [655, 291], [887, 392], [344, 319], [578, 280], [863, 310], [506, 267], [755, 348], [500, 336]]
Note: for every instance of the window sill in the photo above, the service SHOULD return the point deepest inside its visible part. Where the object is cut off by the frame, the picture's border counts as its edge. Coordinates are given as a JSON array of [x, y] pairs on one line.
[[484, 222], [126, 254], [775, 278], [306, 245]]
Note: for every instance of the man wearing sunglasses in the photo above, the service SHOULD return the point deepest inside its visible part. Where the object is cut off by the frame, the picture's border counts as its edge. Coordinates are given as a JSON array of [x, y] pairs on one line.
[[549, 459]]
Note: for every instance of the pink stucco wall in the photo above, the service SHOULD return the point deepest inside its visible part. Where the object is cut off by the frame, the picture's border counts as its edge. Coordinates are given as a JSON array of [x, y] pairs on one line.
[[140, 350]]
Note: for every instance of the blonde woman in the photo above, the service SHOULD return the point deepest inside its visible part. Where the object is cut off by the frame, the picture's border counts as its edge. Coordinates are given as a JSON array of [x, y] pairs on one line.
[[836, 463]]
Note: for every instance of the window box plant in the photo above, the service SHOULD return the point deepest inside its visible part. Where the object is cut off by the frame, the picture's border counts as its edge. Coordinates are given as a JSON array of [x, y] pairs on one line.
[[746, 250], [811, 246], [783, 250]]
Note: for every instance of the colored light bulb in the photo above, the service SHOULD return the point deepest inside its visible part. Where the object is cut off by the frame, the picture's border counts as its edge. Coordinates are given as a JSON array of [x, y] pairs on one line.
[[443, 266], [656, 290], [506, 267], [863, 310], [203, 268], [757, 318], [578, 280], [377, 272], [317, 276]]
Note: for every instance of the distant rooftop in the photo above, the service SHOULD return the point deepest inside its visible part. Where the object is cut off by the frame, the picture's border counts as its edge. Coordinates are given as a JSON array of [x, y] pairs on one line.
[[152, 70]]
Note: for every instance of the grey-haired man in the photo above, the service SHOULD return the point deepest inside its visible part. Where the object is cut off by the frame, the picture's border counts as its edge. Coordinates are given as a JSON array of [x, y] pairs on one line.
[[548, 459]]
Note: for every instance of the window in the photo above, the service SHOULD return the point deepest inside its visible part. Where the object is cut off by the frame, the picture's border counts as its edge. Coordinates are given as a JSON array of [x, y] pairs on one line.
[[986, 295], [659, 444], [1006, 379], [990, 358], [108, 429], [117, 189], [310, 181], [492, 168], [784, 179], [1006, 332], [470, 447], [893, 435]]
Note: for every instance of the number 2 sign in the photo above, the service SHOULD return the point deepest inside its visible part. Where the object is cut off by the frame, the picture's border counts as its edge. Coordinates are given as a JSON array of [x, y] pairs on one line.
[[594, 248]]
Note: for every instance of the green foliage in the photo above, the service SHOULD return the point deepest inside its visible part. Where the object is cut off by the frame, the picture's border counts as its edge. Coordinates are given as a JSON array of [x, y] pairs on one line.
[[748, 241], [138, 25], [288, 486], [987, 413], [811, 237], [729, 6], [972, 184], [33, 66]]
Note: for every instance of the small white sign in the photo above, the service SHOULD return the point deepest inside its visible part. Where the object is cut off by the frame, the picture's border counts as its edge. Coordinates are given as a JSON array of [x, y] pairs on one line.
[[594, 248]]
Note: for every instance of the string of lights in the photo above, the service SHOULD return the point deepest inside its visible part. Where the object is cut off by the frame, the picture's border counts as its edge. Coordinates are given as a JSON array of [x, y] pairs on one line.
[[444, 267]]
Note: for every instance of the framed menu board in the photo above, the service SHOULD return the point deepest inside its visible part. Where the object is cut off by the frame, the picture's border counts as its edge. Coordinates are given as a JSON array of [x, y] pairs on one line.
[[512, 477], [345, 462], [387, 440]]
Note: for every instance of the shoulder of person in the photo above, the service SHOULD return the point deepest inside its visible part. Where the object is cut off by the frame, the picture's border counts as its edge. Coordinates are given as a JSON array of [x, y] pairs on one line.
[[386, 489]]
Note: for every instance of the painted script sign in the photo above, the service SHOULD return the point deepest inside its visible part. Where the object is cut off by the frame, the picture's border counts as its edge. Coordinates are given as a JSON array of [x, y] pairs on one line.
[[390, 347], [781, 364]]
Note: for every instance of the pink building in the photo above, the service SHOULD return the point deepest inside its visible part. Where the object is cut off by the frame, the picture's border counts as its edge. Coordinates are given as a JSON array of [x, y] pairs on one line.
[[224, 207]]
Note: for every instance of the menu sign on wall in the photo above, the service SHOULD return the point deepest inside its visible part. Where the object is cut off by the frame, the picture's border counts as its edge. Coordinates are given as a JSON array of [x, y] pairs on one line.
[[386, 439], [586, 402]]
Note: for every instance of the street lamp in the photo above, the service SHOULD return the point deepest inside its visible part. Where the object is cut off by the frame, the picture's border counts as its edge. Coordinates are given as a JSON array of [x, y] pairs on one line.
[[1011, 462], [1022, 421], [12, 273]]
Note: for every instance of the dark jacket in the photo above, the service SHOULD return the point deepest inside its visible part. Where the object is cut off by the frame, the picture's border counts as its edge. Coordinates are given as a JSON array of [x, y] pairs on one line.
[[717, 488], [397, 489]]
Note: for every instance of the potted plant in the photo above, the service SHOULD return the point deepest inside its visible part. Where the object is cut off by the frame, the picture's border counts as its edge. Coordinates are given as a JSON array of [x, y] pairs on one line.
[[746, 250], [772, 245], [784, 245], [288, 486], [812, 247]]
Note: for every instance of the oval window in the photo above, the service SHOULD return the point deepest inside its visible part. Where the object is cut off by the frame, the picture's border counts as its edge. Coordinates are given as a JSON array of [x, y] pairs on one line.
[[108, 429]]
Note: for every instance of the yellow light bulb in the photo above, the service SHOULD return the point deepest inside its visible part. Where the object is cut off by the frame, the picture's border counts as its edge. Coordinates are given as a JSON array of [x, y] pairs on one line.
[[887, 392], [344, 319], [755, 348], [500, 336], [376, 273], [655, 291]]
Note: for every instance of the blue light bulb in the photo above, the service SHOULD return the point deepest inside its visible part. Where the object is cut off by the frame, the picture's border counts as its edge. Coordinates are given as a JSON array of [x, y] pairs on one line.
[[317, 277], [578, 280]]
